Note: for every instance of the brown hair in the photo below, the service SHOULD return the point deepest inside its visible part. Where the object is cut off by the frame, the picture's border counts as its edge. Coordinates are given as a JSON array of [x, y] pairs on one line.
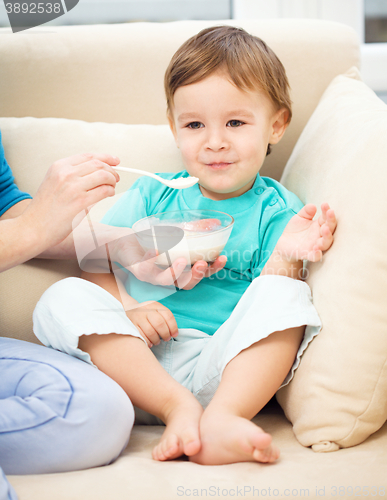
[[250, 63]]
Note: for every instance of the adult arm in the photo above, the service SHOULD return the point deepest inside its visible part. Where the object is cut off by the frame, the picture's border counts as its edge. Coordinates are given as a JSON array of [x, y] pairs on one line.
[[34, 228], [43, 227]]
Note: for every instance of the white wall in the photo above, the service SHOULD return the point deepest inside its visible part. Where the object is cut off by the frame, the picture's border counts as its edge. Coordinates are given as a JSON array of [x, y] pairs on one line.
[[346, 11], [350, 12]]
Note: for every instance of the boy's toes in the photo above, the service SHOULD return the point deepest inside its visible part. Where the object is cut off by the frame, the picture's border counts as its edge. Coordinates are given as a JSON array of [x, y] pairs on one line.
[[268, 455], [264, 450], [191, 447], [167, 449], [173, 446]]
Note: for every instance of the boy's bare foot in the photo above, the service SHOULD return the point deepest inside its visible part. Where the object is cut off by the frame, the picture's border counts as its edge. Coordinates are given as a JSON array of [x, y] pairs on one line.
[[228, 438], [181, 436]]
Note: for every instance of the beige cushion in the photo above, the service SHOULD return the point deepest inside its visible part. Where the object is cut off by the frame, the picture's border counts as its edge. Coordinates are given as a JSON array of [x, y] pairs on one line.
[[114, 73], [31, 146], [338, 396]]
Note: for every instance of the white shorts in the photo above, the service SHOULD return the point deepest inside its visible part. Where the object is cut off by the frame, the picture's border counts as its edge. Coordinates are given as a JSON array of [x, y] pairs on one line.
[[74, 307]]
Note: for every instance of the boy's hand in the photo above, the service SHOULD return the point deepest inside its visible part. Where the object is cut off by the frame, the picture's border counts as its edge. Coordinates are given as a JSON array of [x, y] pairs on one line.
[[201, 269], [123, 247], [305, 238], [129, 254], [154, 322], [177, 274]]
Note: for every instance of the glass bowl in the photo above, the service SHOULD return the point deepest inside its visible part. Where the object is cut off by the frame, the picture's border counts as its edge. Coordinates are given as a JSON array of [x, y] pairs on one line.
[[192, 234]]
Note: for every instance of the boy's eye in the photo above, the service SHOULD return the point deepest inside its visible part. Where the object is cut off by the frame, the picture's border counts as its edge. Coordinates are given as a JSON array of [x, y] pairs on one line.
[[234, 123], [195, 125]]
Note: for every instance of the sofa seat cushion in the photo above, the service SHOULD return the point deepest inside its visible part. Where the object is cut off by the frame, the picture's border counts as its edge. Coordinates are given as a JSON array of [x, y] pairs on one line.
[[299, 473]]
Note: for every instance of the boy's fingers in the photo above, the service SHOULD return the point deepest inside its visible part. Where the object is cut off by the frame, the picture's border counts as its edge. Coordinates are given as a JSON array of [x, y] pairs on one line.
[[308, 211], [216, 266], [150, 331], [170, 322], [144, 336], [172, 274], [331, 220], [202, 270], [316, 255], [160, 326], [323, 216], [190, 279], [326, 240]]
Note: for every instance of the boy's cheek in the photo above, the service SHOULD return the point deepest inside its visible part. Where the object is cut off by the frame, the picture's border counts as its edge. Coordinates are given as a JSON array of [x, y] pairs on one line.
[[188, 153]]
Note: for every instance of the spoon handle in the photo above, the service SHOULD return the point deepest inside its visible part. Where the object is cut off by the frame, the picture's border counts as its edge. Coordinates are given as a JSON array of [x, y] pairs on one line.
[[141, 172]]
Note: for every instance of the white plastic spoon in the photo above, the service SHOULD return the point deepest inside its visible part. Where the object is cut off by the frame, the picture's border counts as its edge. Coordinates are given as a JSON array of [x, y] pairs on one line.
[[181, 183]]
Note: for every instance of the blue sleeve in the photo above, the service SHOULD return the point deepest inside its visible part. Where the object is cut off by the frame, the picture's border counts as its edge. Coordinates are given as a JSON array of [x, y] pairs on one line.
[[10, 194]]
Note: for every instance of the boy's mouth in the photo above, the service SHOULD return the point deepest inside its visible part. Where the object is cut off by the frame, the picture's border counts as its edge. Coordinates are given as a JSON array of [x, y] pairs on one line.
[[218, 165]]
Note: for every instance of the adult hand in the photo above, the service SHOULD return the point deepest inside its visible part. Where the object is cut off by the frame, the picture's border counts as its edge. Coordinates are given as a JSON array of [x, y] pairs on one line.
[[69, 187]]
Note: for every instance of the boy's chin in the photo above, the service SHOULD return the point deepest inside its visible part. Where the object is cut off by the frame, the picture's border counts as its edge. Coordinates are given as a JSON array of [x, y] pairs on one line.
[[217, 194]]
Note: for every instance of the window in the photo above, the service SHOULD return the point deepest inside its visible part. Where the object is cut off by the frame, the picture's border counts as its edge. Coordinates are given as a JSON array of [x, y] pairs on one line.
[[375, 13], [120, 11]]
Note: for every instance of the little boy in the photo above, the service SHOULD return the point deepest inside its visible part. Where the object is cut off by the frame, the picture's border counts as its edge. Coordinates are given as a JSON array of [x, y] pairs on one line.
[[205, 361]]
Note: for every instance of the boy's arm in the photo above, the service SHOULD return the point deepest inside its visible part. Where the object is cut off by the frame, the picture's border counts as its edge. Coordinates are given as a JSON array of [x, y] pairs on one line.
[[152, 319], [113, 285], [278, 265], [302, 239]]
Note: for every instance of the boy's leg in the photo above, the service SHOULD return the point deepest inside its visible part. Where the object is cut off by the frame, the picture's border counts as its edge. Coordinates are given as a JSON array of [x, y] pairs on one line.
[[78, 317], [129, 362], [248, 382], [249, 357]]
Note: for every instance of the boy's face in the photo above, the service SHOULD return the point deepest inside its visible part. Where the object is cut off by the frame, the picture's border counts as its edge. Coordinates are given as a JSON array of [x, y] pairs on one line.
[[223, 134]]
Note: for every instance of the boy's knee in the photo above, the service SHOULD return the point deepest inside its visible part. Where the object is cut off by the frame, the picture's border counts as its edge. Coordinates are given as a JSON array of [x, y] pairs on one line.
[[63, 309], [63, 293]]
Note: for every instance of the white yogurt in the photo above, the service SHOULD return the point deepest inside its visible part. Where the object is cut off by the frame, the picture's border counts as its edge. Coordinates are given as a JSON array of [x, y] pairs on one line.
[[194, 246]]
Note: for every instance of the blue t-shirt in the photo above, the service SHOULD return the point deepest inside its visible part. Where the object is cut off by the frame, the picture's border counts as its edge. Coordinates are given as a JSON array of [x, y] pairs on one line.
[[260, 216], [10, 194]]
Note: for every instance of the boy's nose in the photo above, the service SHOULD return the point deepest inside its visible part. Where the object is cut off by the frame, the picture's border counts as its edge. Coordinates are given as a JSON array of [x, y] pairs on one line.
[[216, 141]]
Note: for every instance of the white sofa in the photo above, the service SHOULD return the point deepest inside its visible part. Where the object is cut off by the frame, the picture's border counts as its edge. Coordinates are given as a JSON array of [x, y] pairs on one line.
[[73, 89]]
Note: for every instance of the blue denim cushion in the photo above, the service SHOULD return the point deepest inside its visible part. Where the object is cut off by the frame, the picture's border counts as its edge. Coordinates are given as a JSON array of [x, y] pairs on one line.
[[57, 413], [31, 394]]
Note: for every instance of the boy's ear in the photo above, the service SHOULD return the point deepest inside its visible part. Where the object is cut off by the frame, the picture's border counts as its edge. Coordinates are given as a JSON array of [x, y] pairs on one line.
[[172, 127], [279, 125]]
